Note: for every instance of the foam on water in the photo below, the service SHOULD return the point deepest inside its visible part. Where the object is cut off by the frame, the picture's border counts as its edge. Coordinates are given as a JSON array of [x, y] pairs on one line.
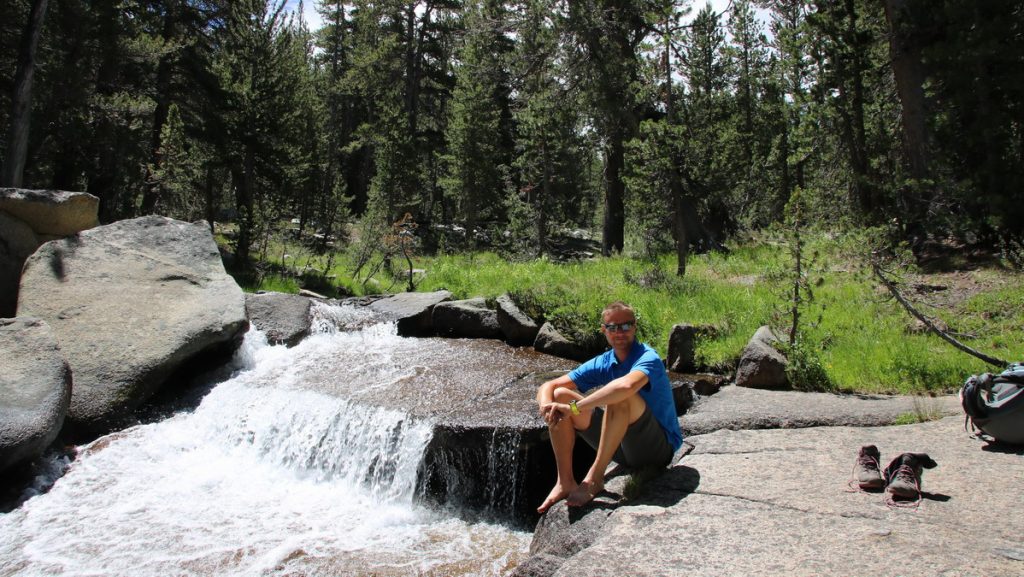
[[263, 478]]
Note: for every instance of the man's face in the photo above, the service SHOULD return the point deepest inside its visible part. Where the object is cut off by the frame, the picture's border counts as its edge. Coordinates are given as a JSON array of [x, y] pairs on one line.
[[613, 330]]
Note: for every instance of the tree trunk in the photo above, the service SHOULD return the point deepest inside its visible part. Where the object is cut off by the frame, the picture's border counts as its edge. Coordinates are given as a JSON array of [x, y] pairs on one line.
[[105, 144], [21, 100], [244, 180], [858, 139], [151, 194], [613, 233], [676, 186], [679, 208], [543, 196], [211, 205], [908, 72]]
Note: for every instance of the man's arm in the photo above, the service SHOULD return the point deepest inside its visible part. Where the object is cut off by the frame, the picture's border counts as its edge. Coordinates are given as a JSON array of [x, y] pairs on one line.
[[615, 391], [546, 392]]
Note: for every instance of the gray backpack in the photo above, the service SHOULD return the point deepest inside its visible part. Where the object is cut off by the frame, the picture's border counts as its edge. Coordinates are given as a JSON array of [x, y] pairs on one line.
[[994, 404]]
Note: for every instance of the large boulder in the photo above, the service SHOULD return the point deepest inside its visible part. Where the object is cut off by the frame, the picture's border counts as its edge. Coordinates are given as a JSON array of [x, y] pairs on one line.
[[552, 342], [130, 303], [519, 329], [411, 311], [283, 318], [17, 242], [35, 389], [52, 213], [761, 365], [682, 342], [469, 318]]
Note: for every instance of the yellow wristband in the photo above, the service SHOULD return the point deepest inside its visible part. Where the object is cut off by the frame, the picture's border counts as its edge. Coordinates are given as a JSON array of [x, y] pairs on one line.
[[572, 407]]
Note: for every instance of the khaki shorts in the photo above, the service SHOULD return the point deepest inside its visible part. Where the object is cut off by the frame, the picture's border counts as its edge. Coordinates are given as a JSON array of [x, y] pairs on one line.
[[645, 443]]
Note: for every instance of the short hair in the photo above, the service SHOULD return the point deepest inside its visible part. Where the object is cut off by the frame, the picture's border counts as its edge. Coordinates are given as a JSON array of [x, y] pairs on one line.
[[617, 306]]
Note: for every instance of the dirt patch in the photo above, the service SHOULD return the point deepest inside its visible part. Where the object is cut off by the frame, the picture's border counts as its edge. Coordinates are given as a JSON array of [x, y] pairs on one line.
[[948, 290], [948, 255]]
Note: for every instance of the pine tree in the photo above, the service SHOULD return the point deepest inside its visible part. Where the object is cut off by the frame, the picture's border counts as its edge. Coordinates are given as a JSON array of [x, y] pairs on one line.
[[550, 149], [606, 37], [258, 111], [749, 144], [177, 177], [13, 166], [477, 156]]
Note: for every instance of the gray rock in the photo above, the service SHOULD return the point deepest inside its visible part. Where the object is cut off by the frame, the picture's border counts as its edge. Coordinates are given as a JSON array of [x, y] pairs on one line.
[[35, 389], [467, 318], [540, 565], [551, 342], [519, 329], [761, 365], [17, 242], [130, 303], [776, 503], [682, 393], [565, 531], [53, 213], [283, 318], [681, 344], [744, 408], [707, 384], [412, 311]]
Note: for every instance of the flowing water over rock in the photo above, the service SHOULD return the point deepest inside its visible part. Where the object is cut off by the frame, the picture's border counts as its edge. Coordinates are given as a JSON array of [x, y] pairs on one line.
[[303, 463]]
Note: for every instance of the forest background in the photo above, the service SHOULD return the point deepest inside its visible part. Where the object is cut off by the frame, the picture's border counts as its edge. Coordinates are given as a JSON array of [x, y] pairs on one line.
[[805, 137]]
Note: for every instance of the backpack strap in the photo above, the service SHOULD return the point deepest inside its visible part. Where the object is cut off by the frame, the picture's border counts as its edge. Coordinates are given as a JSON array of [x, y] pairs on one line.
[[1013, 374]]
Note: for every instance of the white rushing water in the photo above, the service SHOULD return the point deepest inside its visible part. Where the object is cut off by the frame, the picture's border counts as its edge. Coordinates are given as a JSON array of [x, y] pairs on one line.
[[263, 478]]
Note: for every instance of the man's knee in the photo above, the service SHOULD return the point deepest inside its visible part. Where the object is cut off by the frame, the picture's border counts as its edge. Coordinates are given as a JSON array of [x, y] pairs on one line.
[[630, 408], [564, 395]]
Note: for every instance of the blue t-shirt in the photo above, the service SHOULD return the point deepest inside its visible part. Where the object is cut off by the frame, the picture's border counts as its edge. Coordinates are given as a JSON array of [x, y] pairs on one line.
[[657, 393]]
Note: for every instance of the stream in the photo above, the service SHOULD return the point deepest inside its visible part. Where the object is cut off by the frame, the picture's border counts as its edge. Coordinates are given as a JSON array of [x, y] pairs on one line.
[[273, 473]]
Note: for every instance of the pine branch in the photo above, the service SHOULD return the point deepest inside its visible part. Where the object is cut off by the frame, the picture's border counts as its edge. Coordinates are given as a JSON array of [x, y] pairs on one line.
[[894, 290]]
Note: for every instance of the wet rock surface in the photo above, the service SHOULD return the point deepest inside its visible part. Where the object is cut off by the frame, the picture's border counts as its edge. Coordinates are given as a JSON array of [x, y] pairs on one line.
[[284, 318], [412, 311]]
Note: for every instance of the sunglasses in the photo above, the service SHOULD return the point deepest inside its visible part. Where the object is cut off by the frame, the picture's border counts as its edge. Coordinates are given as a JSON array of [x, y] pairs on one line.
[[620, 327]]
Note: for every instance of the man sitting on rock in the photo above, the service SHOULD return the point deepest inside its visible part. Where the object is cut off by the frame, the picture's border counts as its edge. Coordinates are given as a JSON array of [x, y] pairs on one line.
[[631, 419]]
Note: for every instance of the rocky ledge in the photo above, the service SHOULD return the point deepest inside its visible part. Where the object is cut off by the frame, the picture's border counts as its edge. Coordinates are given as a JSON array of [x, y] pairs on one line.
[[777, 502]]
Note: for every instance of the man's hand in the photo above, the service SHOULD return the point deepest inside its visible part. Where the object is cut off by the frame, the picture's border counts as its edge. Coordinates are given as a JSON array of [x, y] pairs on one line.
[[553, 413]]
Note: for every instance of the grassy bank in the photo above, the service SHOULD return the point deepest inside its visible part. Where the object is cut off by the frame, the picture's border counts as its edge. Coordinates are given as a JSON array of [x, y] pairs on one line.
[[864, 341]]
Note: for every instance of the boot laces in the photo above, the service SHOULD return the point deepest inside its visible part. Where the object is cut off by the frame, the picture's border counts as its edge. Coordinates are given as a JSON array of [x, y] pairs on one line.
[[905, 471], [864, 459]]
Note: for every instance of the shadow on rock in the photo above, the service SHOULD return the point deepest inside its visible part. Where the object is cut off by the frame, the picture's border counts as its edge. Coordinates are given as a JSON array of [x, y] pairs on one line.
[[999, 447], [669, 488]]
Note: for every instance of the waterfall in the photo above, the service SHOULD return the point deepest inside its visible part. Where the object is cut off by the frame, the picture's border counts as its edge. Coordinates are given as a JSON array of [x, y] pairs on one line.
[[267, 476], [321, 438], [503, 471]]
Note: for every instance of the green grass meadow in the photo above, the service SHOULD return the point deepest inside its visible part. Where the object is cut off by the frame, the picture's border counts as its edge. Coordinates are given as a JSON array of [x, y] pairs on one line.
[[863, 340]]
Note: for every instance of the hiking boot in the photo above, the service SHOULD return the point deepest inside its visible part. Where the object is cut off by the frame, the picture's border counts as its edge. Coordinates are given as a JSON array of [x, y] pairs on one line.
[[866, 472], [903, 475]]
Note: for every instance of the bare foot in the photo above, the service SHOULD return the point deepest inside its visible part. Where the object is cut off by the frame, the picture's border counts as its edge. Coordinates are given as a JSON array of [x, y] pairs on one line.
[[556, 495], [584, 493]]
